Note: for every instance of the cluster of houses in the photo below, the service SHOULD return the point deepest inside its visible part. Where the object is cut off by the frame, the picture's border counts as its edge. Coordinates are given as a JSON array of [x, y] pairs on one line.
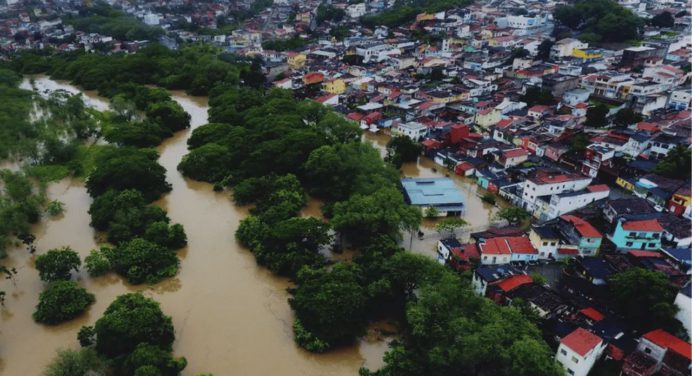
[[599, 204]]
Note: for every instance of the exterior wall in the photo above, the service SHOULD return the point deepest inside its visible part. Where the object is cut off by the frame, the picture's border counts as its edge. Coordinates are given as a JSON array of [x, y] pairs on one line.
[[589, 246], [685, 314], [532, 190], [479, 285], [494, 259], [561, 205], [337, 86], [297, 61], [627, 240], [545, 247], [574, 363], [524, 257]]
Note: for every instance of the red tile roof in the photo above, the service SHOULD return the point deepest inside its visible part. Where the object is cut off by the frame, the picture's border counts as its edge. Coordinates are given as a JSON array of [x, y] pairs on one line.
[[513, 153], [638, 253], [649, 127], [581, 341], [649, 225], [592, 313], [666, 340], [509, 284], [598, 188], [467, 252], [568, 251], [505, 245], [583, 227]]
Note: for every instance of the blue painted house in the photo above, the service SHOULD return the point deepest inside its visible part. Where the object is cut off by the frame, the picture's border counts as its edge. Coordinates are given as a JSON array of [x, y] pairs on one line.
[[642, 234]]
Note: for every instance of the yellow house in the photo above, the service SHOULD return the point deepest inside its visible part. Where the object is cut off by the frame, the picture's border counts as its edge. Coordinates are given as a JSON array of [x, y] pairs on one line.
[[545, 241], [487, 118], [296, 60], [624, 183], [336, 86], [586, 54]]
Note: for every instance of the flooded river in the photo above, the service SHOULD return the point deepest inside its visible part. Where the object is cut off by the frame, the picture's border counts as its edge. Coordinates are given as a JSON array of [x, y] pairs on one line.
[[231, 317]]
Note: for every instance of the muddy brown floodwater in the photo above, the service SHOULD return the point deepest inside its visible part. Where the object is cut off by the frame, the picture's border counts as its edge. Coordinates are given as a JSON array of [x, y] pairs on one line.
[[231, 317]]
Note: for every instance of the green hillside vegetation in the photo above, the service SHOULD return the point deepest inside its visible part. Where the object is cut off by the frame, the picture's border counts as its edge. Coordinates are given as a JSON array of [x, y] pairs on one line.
[[105, 20], [600, 21]]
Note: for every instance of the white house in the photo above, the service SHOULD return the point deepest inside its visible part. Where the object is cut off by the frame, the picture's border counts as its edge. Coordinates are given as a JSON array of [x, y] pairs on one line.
[[684, 301], [505, 249], [412, 130], [579, 351], [565, 202], [356, 10], [564, 47], [546, 183], [680, 100], [151, 19]]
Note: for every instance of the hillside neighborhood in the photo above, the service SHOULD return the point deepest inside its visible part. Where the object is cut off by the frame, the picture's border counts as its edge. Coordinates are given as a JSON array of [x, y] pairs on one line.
[[588, 141]]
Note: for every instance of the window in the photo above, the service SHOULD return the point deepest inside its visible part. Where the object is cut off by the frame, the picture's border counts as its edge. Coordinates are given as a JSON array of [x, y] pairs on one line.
[[633, 234], [655, 236], [647, 350], [545, 243], [652, 245], [575, 360], [570, 371], [563, 352], [628, 244]]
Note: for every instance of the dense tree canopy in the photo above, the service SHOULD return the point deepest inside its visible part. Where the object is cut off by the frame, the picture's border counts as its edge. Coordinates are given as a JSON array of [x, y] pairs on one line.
[[82, 362], [535, 95], [130, 320], [20, 206], [141, 261], [600, 20], [645, 298], [383, 212], [402, 150], [330, 306], [107, 21], [128, 168], [62, 301], [58, 264], [597, 116], [677, 163]]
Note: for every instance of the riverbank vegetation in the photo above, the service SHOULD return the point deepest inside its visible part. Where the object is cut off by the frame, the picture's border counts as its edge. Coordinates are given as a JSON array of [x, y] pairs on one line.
[[273, 149], [133, 337]]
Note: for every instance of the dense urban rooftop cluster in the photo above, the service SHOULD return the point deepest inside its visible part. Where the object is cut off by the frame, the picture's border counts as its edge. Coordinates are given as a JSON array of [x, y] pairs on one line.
[[587, 134]]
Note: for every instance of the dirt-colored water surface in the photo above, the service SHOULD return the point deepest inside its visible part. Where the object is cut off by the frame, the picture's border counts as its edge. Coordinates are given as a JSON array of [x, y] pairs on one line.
[[231, 316]]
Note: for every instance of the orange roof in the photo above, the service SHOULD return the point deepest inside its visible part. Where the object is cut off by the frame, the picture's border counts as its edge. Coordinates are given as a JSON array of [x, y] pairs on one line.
[[592, 313], [666, 340], [638, 253], [648, 225], [583, 227], [581, 341], [505, 245], [504, 123], [513, 153], [568, 251], [649, 127], [509, 284], [598, 188]]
